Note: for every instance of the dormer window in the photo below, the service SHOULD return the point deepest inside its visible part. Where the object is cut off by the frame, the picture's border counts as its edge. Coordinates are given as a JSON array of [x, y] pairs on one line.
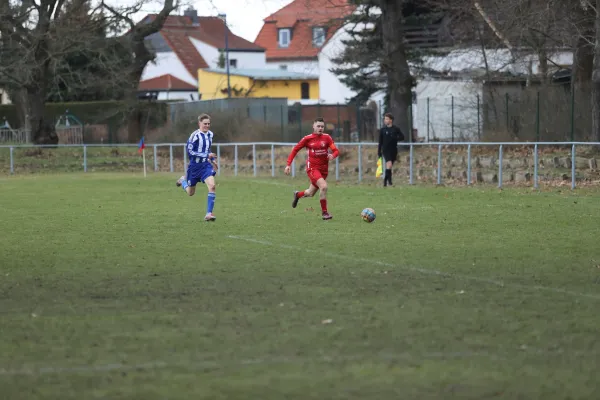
[[285, 36], [318, 36]]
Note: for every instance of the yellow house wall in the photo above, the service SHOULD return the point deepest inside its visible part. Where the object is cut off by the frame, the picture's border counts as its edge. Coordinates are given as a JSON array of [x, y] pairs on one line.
[[288, 88], [210, 85]]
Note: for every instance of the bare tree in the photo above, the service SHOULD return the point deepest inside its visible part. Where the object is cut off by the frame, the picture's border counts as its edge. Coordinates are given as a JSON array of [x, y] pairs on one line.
[[38, 35], [142, 53], [34, 35], [394, 63], [375, 58]]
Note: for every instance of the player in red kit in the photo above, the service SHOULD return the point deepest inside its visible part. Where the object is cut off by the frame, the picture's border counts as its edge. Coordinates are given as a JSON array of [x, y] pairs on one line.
[[317, 165]]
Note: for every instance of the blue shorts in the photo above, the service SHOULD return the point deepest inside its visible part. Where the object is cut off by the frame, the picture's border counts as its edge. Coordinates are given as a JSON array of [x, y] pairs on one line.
[[199, 172]]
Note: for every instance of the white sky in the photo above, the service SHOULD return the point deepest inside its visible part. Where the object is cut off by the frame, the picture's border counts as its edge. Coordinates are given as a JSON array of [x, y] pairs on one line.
[[244, 17]]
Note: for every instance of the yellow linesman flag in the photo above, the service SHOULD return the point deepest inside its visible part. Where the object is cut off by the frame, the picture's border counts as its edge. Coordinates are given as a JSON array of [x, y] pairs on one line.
[[379, 171]]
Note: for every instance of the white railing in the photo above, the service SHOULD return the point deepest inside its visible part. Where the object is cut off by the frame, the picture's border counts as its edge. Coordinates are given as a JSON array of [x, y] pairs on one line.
[[9, 135], [66, 135], [152, 150]]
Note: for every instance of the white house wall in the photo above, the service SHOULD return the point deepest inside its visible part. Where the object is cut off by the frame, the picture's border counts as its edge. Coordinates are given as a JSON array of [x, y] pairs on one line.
[[209, 53], [245, 59], [168, 63], [187, 96], [497, 60], [4, 99], [331, 90], [439, 117], [303, 67], [249, 59]]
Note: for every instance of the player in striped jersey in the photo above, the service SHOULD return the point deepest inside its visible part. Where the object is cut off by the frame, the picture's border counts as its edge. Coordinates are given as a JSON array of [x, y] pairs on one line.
[[202, 166]]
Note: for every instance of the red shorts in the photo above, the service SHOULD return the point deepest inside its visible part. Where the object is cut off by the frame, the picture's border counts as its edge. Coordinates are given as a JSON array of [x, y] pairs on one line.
[[315, 174]]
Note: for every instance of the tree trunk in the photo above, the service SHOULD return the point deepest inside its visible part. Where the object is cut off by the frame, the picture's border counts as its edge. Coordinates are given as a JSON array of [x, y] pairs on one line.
[[395, 65], [142, 57], [30, 106], [596, 78]]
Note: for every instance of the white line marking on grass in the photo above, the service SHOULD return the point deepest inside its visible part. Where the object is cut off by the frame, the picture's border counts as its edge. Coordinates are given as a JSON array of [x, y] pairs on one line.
[[274, 183], [216, 364], [244, 362], [426, 271]]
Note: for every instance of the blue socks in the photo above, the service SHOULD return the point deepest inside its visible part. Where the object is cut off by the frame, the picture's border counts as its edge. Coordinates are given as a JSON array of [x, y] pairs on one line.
[[184, 184], [210, 202]]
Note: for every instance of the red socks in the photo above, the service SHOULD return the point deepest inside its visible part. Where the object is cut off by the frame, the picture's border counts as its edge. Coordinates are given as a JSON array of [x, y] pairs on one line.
[[324, 205], [323, 202]]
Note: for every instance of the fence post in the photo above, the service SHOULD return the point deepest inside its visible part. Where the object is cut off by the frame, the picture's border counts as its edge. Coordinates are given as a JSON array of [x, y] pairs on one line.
[[12, 161], [410, 166], [506, 105], [452, 109], [358, 122], [439, 171], [337, 168], [265, 113], [573, 167], [338, 120], [283, 138], [537, 119], [294, 168], [184, 158], [155, 159], [171, 157], [84, 158], [427, 119], [235, 160], [300, 118], [535, 165], [410, 124], [572, 113], [272, 160], [359, 162], [478, 118], [469, 163], [254, 159], [218, 159], [500, 167]]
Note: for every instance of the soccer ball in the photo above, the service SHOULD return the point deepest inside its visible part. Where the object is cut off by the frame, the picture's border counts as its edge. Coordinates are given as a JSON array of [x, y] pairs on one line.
[[368, 215]]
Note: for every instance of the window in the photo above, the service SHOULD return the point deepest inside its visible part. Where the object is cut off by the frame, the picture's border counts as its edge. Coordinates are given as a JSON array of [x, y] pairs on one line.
[[283, 67], [233, 63], [305, 90], [285, 37], [318, 36]]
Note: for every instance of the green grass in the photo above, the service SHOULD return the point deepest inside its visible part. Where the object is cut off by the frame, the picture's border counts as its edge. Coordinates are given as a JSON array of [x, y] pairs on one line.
[[113, 286]]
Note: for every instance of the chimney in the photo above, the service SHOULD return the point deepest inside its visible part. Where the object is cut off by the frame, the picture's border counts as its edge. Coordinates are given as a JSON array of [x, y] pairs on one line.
[[193, 15]]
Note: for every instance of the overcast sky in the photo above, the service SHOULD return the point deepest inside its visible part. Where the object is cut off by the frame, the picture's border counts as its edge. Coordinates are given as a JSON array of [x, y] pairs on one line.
[[244, 17]]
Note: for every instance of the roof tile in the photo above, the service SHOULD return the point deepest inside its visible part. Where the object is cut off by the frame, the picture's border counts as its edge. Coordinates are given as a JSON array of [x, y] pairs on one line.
[[302, 16]]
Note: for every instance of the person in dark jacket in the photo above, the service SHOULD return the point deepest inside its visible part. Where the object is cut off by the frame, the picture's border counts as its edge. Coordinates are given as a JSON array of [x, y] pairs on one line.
[[389, 136]]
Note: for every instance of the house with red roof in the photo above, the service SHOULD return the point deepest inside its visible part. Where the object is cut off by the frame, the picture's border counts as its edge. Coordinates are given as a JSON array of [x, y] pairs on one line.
[[303, 37], [187, 43]]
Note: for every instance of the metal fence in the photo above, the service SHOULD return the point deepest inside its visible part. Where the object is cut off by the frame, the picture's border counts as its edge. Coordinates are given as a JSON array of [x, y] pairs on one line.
[[347, 122], [550, 114], [9, 135], [66, 135], [468, 163]]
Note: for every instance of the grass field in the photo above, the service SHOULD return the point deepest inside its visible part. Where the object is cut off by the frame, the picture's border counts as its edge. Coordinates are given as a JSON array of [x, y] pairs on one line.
[[113, 287]]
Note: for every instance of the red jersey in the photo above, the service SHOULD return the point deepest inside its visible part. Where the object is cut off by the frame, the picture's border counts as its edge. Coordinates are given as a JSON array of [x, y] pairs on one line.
[[318, 146]]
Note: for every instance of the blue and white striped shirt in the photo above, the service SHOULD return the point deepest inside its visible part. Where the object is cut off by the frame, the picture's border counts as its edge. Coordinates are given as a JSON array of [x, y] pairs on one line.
[[198, 145]]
